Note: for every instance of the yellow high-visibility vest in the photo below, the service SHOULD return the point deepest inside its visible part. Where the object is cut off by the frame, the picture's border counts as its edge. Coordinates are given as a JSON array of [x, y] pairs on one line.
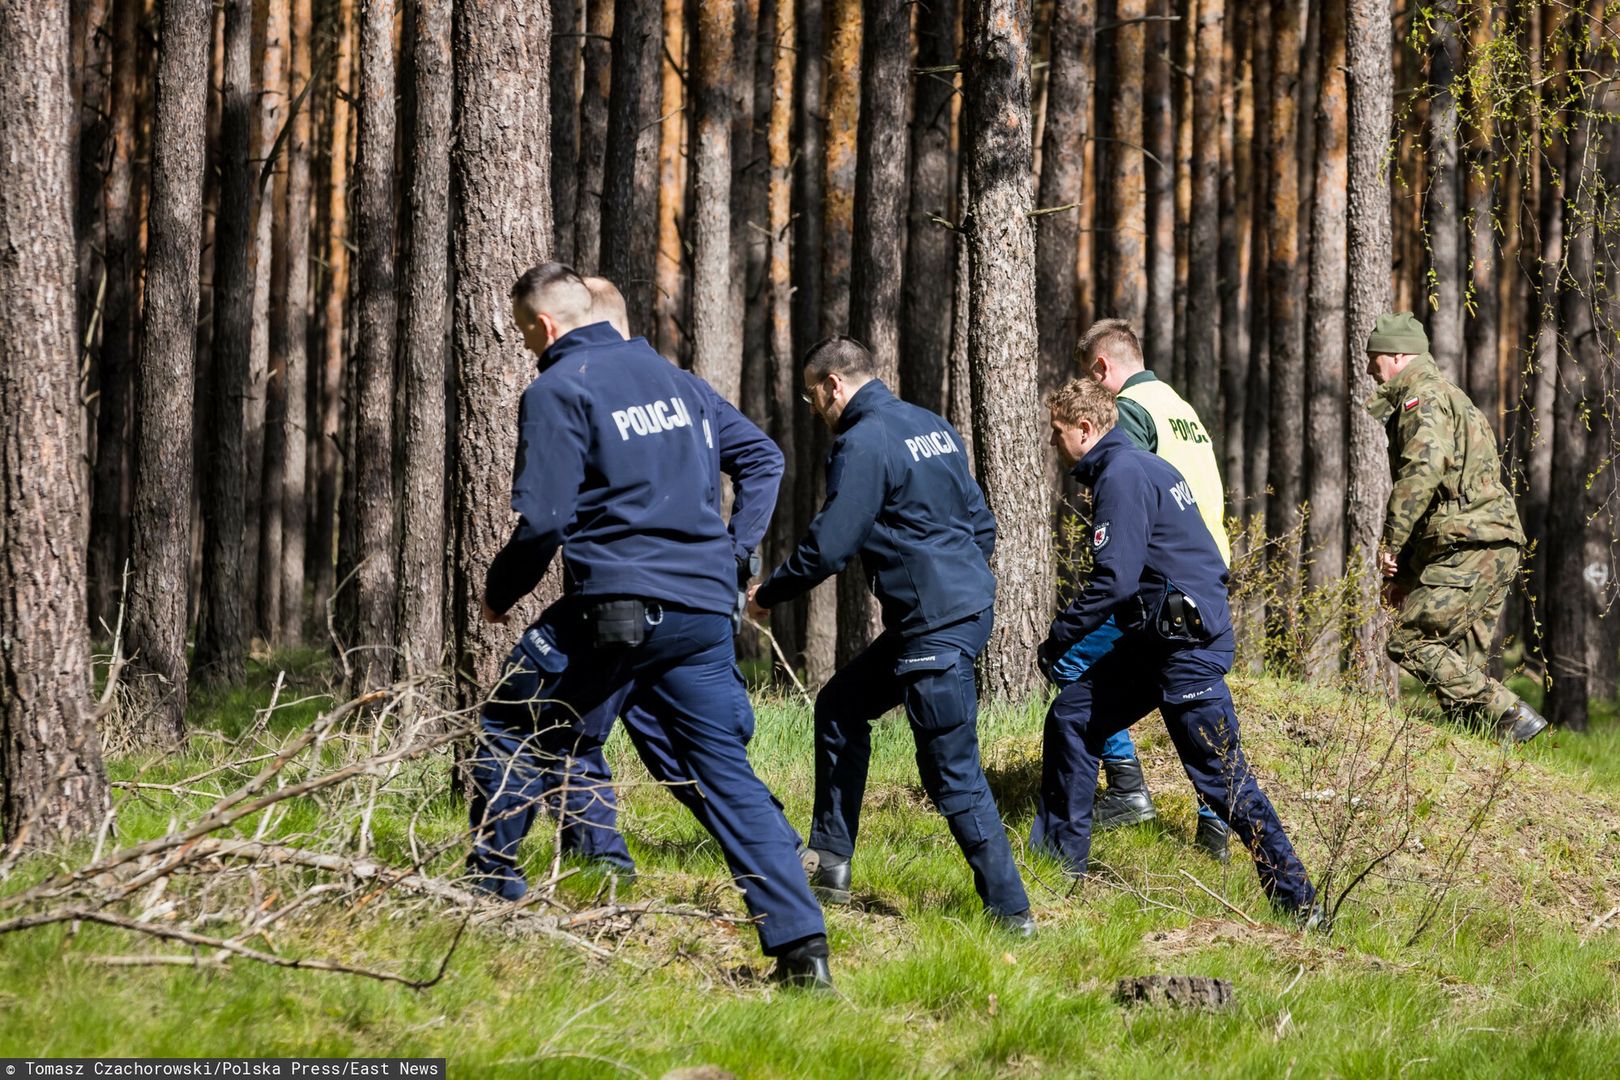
[[1184, 443]]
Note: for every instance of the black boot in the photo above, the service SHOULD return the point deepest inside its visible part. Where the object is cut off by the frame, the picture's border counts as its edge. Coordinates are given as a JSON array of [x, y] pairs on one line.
[[1213, 836], [828, 874], [1521, 725], [1125, 801], [804, 965]]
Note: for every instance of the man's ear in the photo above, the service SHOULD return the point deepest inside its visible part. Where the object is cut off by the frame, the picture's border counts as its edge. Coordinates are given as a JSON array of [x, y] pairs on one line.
[[549, 324]]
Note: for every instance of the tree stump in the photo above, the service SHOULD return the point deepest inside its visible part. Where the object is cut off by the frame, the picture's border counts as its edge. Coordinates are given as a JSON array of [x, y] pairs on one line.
[[1185, 991]]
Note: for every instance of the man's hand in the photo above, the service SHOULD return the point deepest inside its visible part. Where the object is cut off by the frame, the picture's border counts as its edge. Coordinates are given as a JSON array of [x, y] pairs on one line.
[[755, 612], [491, 615], [1387, 563]]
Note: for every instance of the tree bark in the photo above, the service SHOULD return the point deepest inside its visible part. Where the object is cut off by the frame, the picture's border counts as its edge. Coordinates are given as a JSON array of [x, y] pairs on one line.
[[567, 57], [744, 191], [878, 257], [1257, 387], [295, 324], [593, 133], [997, 147], [333, 365], [784, 370], [672, 185], [221, 654], [1203, 331], [110, 484], [1370, 97], [630, 179], [1127, 289], [1325, 351], [1484, 384], [716, 342], [422, 355], [375, 310], [53, 787], [1285, 315], [930, 247], [502, 226], [1057, 233], [1444, 197], [1236, 246], [1158, 324], [842, 150], [161, 551], [268, 364]]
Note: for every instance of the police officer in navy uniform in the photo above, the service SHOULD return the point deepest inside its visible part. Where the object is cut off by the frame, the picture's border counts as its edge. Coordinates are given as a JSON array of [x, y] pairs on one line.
[[618, 464], [1160, 576], [901, 496]]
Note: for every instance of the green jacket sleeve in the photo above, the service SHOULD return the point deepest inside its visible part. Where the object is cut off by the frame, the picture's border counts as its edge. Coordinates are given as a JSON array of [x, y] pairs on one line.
[[1137, 424], [1426, 450]]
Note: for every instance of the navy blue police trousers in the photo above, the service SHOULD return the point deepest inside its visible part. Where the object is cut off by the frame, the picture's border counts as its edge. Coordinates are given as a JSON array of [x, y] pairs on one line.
[[1188, 686], [932, 675], [541, 746]]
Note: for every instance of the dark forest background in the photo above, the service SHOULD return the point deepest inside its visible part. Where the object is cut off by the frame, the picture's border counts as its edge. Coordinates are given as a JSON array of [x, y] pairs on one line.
[[260, 376]]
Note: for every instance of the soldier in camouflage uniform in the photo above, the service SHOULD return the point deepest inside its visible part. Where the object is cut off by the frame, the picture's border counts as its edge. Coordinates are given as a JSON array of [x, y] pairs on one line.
[[1452, 537]]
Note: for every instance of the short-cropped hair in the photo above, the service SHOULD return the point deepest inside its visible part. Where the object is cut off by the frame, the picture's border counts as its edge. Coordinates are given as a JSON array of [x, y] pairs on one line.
[[839, 355], [1114, 339], [556, 289], [1083, 399]]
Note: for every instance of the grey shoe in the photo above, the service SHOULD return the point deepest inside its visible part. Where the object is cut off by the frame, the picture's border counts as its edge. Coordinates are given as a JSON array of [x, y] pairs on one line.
[[1019, 925], [1214, 837], [1521, 725], [1125, 801]]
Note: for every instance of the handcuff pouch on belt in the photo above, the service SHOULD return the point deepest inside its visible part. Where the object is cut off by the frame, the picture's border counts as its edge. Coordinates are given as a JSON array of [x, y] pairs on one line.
[[619, 622], [1175, 618]]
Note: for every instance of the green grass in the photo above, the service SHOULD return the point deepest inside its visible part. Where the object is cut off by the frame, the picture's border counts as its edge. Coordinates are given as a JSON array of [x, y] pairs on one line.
[[1508, 978]]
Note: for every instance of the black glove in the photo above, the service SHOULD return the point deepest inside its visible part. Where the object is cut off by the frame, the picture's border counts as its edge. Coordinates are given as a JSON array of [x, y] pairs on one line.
[[1046, 658]]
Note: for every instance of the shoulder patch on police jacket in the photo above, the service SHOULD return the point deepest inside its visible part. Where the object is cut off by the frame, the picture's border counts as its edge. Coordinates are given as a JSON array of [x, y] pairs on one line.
[[1099, 536]]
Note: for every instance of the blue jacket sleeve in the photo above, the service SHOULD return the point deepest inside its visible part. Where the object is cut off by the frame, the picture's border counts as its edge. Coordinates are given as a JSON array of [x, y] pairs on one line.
[[1122, 515], [751, 458], [553, 440], [856, 484]]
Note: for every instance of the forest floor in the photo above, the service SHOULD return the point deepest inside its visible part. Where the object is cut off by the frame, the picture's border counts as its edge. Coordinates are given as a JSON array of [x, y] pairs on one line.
[[1483, 937]]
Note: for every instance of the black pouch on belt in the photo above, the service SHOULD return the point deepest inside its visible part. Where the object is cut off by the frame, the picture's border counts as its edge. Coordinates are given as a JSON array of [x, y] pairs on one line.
[[618, 622], [1179, 619]]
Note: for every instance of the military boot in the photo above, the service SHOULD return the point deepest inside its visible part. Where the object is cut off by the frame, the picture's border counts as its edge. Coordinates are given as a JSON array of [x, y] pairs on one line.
[[1125, 801], [828, 874], [1213, 838], [1521, 725], [804, 965]]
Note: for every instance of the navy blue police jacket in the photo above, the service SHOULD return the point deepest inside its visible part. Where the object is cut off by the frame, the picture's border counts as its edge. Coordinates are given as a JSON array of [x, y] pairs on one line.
[[1147, 535], [901, 496], [619, 462]]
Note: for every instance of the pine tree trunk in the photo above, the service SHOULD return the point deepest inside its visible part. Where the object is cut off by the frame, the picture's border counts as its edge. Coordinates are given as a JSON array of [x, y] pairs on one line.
[[1483, 383], [1127, 289], [1057, 233], [221, 654], [1236, 245], [1257, 389], [716, 340], [1285, 312], [593, 133], [1444, 197], [161, 529], [930, 247], [743, 187], [1370, 96], [671, 306], [295, 410], [502, 226], [567, 58], [267, 409], [878, 256], [960, 395], [754, 225], [1325, 350], [1158, 324], [375, 311], [838, 192], [1008, 433], [630, 183], [422, 356], [784, 369], [1204, 279], [333, 359], [110, 483], [52, 784]]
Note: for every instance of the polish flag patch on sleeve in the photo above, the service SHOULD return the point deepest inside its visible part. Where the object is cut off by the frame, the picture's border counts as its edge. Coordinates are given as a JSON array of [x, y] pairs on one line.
[[1410, 404]]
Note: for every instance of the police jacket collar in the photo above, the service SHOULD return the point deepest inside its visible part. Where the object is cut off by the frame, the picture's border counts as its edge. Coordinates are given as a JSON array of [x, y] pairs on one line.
[[1088, 468], [589, 336], [1143, 376], [871, 396], [1387, 398]]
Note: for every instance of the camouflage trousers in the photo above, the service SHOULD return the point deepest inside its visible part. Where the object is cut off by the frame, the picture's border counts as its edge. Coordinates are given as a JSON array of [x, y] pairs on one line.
[[1445, 628]]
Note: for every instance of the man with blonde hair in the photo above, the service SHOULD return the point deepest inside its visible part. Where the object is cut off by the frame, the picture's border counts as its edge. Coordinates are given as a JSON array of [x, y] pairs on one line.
[[1158, 574], [1159, 421]]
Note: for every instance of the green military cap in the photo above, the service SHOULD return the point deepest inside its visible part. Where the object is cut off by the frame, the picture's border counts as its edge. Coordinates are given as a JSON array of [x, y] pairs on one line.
[[1399, 333]]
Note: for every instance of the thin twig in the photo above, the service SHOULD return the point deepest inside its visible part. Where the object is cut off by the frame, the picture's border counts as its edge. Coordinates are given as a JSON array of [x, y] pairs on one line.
[[1224, 902]]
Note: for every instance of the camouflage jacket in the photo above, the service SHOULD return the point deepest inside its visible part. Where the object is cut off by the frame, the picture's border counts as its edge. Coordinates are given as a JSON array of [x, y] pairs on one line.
[[1448, 479]]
